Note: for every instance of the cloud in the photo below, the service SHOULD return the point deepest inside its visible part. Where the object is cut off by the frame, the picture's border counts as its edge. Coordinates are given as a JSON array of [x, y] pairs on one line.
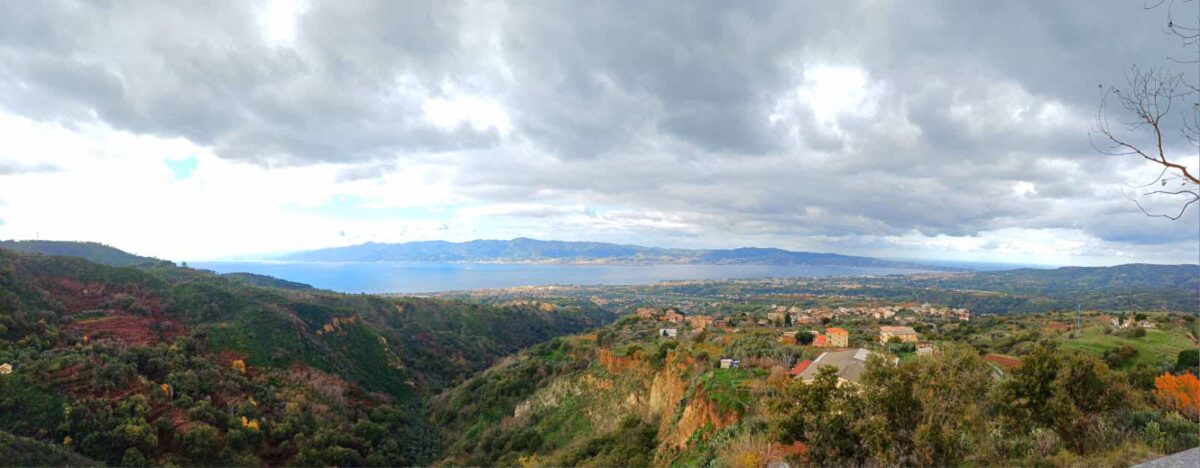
[[13, 168], [860, 126]]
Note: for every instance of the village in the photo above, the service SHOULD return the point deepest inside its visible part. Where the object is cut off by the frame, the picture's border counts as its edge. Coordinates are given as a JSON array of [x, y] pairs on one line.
[[878, 329]]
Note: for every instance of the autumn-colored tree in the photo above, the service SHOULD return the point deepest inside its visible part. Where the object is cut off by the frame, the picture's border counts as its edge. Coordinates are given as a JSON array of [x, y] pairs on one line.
[[1179, 392]]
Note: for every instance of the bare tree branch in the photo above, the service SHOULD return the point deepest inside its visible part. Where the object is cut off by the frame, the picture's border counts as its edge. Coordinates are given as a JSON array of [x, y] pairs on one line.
[[1147, 103]]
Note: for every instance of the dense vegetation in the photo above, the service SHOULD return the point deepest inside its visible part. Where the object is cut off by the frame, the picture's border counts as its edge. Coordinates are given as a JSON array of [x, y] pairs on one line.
[[160, 364], [266, 281], [1056, 408]]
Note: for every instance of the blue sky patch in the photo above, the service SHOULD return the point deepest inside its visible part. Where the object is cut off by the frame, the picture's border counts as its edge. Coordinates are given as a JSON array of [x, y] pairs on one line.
[[182, 168]]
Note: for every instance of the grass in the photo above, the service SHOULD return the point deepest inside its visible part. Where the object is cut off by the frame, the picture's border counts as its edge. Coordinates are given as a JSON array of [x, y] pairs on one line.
[[1158, 347], [565, 424], [724, 386]]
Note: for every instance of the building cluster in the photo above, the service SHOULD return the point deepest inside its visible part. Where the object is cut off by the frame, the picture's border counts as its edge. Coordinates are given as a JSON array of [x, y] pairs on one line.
[[832, 338], [672, 321], [1131, 322], [889, 334], [798, 316], [672, 318]]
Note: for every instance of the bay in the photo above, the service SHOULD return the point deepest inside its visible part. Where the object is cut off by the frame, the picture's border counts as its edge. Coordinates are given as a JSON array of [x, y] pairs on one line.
[[415, 277]]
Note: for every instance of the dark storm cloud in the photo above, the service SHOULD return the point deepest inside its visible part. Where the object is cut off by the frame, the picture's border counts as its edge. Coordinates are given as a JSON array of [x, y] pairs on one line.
[[972, 117], [350, 89]]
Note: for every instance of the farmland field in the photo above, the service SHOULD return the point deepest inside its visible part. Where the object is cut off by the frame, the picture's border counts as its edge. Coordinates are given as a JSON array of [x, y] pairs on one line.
[[1158, 347]]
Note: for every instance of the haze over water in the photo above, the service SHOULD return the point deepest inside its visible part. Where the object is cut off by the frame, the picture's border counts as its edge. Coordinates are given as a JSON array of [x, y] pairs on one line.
[[410, 277]]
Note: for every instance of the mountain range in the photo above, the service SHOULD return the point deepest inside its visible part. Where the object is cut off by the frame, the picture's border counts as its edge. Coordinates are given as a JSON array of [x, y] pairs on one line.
[[525, 250]]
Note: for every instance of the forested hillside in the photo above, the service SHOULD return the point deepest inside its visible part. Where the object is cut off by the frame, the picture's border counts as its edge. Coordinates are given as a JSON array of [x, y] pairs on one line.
[[91, 251], [1121, 287], [160, 364]]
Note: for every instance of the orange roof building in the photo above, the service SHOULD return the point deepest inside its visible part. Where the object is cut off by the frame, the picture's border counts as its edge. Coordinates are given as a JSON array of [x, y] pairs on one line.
[[800, 366]]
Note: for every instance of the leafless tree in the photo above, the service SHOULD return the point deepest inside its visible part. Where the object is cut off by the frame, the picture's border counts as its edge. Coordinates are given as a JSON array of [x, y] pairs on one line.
[[1148, 105]]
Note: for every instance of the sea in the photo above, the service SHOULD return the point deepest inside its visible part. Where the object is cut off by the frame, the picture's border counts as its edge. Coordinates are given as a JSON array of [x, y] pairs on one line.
[[419, 277]]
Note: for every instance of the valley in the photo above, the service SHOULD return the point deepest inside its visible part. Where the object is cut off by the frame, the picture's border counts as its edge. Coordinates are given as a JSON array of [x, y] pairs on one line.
[[153, 363]]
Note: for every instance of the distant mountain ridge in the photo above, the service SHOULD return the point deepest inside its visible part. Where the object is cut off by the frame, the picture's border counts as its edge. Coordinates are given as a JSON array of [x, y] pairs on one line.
[[525, 250]]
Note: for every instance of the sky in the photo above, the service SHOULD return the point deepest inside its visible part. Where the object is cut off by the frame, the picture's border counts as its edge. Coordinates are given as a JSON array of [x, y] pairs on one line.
[[918, 129]]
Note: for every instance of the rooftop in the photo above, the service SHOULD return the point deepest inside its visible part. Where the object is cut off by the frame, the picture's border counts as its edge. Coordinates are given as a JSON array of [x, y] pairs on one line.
[[800, 367], [849, 364], [898, 330]]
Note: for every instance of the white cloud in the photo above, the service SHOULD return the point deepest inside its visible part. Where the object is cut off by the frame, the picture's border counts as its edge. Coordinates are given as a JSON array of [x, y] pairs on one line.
[[278, 21], [480, 113]]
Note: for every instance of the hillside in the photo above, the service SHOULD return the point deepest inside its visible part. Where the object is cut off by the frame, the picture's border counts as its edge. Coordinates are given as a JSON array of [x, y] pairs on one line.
[[160, 364], [1043, 281], [23, 451], [266, 281], [91, 251], [627, 396], [1121, 287], [531, 250]]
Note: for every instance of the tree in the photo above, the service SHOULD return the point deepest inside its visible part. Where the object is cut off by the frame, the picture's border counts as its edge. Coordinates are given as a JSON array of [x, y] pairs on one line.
[[1084, 391], [924, 411], [133, 457], [1188, 361], [1179, 392], [203, 444], [1158, 125], [822, 414], [1067, 392]]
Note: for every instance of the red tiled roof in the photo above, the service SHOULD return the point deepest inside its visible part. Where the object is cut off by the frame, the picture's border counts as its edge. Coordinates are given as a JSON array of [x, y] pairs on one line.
[[837, 331], [820, 340], [800, 366]]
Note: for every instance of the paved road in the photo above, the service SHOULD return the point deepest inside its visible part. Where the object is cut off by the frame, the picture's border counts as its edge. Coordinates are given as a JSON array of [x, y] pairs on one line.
[[1184, 459]]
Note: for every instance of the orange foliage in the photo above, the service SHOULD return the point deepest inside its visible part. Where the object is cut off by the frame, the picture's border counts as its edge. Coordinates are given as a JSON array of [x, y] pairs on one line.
[[1179, 392], [251, 424]]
